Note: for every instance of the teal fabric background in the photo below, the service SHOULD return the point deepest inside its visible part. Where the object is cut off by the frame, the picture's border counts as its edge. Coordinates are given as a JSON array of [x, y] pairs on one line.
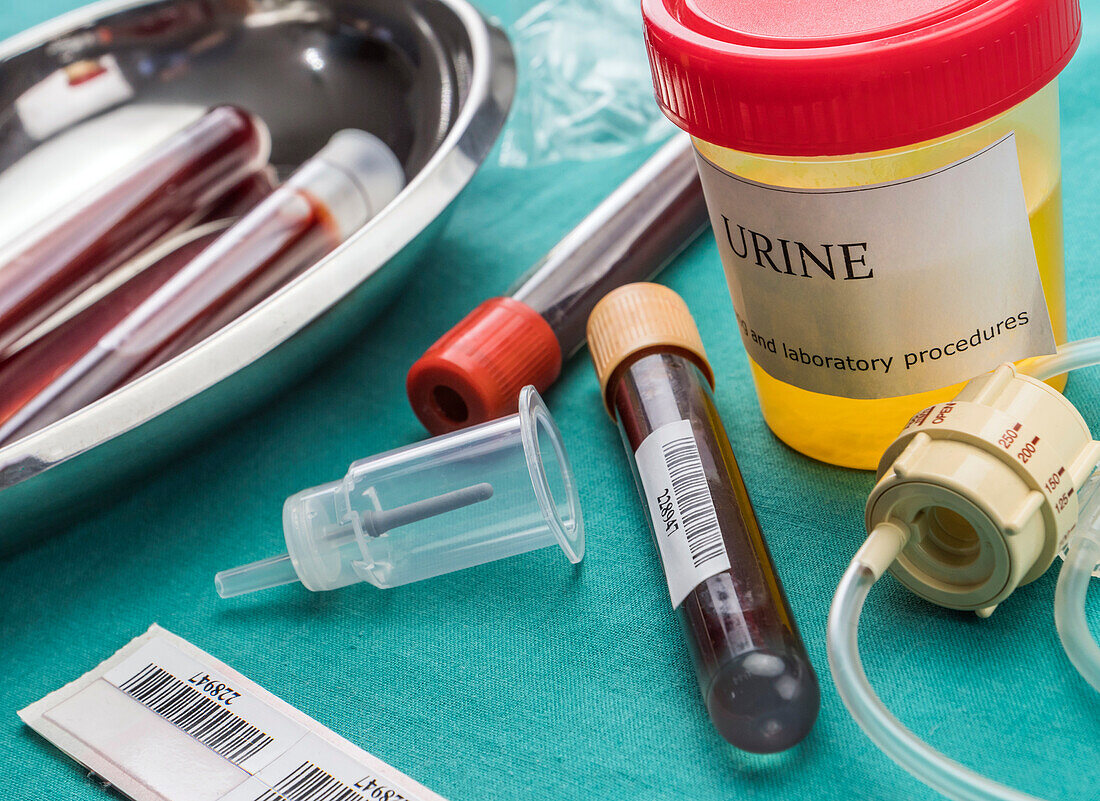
[[531, 679]]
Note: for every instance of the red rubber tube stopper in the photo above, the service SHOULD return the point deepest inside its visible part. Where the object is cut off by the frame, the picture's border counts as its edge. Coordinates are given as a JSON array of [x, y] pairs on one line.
[[474, 372]]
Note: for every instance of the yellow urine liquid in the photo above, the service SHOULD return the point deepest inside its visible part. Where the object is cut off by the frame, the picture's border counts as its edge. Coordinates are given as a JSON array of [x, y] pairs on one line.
[[855, 432]]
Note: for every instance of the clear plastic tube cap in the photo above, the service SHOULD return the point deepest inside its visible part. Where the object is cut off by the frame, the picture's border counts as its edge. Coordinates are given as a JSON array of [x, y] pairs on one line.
[[354, 176], [365, 159], [462, 499]]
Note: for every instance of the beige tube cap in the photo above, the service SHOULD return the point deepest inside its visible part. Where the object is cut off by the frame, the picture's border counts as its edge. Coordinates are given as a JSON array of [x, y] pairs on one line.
[[640, 318]]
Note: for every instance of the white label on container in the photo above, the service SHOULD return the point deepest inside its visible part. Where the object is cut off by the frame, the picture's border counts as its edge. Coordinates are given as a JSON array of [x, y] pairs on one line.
[[681, 509], [883, 290], [163, 721]]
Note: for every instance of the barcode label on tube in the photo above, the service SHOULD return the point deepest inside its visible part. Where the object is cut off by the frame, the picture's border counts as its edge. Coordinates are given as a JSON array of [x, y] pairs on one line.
[[692, 498], [685, 524]]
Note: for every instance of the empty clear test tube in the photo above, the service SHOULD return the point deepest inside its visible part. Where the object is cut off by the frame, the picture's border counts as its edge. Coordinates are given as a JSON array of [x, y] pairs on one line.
[[758, 684]]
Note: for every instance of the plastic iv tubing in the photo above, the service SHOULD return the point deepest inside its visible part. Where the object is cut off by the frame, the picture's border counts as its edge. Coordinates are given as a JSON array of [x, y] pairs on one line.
[[1084, 547], [1072, 356], [1072, 589], [882, 547], [887, 732]]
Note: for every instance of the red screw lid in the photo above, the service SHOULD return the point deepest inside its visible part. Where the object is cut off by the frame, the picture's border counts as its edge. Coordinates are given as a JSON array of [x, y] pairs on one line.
[[474, 372], [831, 77]]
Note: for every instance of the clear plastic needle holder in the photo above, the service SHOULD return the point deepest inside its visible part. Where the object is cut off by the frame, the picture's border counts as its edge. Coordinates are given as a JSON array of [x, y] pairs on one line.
[[476, 495]]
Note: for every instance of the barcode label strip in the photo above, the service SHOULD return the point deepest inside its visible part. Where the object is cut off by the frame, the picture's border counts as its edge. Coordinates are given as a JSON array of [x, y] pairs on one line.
[[162, 720], [310, 783], [689, 485], [204, 719], [681, 509]]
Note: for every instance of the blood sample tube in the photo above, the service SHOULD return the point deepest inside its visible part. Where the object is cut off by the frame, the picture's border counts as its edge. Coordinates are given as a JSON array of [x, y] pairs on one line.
[[757, 681], [326, 200], [30, 370], [475, 371], [240, 199], [114, 222]]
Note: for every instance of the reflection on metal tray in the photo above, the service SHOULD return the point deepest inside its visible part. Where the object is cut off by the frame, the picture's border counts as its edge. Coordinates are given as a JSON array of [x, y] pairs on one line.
[[430, 77]]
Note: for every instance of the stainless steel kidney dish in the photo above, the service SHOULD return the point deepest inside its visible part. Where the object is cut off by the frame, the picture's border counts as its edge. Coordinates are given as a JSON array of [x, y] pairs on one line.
[[431, 78]]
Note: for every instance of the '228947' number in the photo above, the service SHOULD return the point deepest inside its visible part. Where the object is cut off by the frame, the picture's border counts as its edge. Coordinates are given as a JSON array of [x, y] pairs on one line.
[[668, 512], [206, 683]]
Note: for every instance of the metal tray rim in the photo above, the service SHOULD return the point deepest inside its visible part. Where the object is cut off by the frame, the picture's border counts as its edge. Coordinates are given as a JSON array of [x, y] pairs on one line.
[[296, 305]]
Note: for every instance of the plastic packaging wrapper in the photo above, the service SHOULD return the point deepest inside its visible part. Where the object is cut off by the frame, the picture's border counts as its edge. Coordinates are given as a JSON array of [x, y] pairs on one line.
[[585, 90]]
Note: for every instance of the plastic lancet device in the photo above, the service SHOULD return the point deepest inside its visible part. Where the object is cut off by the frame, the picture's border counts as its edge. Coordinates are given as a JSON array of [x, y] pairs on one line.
[[462, 499], [974, 498]]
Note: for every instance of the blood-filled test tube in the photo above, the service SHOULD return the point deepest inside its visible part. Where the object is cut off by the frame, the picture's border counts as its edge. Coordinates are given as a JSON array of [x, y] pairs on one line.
[[240, 198], [106, 227], [475, 371], [757, 682], [326, 200], [30, 370]]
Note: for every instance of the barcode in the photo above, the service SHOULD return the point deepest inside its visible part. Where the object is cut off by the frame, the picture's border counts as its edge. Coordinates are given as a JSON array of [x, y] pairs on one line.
[[211, 724], [309, 783], [689, 484]]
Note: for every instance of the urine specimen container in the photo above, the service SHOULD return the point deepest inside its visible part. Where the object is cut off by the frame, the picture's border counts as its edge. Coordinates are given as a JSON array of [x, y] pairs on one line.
[[473, 496], [757, 682], [884, 184]]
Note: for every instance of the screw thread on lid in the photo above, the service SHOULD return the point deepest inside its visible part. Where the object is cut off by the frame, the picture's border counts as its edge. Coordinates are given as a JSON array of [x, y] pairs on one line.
[[816, 78], [641, 317]]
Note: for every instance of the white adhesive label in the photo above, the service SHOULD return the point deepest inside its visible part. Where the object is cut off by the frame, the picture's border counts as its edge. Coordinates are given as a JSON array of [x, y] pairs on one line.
[[204, 704], [314, 771], [681, 509], [70, 95], [883, 290], [163, 721]]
